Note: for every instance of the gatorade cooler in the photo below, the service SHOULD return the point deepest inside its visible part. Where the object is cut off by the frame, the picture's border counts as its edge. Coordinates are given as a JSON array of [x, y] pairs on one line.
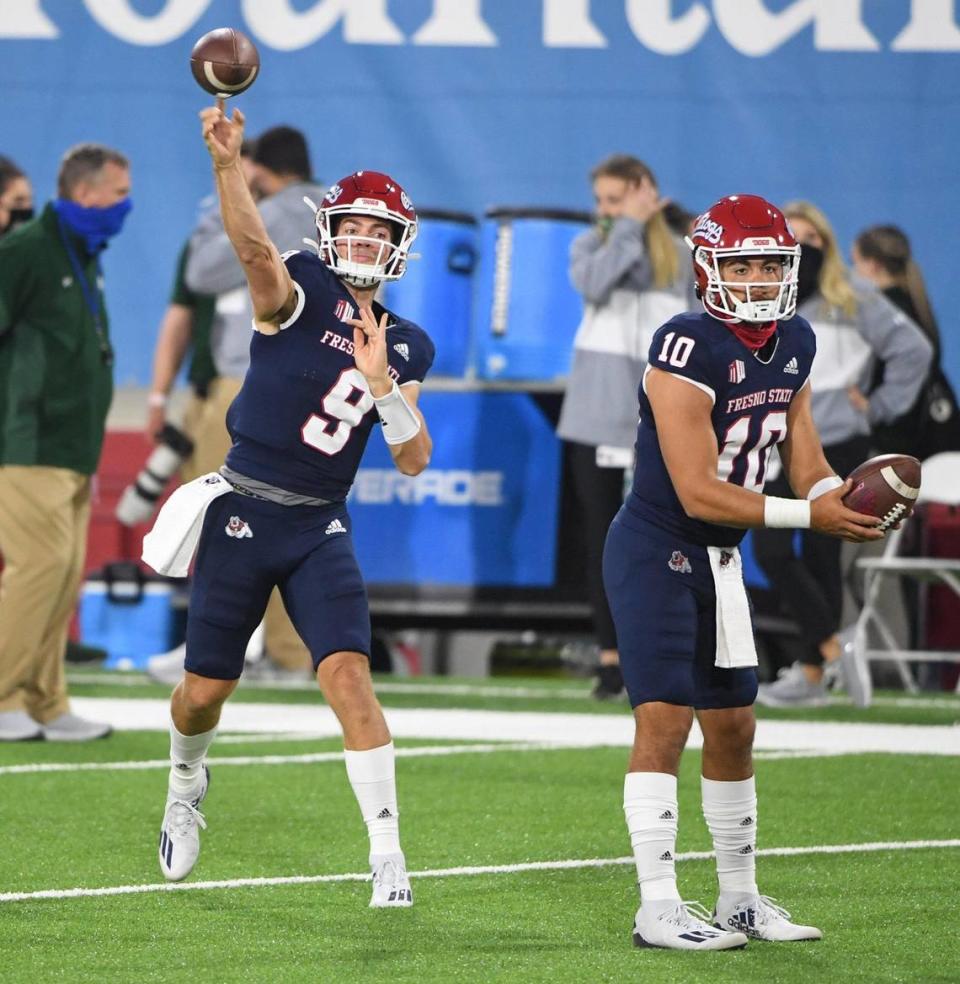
[[436, 290], [129, 614], [526, 311]]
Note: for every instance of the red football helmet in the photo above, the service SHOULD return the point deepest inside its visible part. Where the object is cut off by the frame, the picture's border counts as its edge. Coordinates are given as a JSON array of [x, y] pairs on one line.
[[374, 194], [744, 225]]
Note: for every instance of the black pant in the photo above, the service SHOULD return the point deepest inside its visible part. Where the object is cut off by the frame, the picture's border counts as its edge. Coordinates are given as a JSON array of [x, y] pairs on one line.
[[599, 495], [809, 586]]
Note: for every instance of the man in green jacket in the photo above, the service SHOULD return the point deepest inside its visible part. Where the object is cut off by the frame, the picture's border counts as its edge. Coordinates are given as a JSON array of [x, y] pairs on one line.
[[56, 383]]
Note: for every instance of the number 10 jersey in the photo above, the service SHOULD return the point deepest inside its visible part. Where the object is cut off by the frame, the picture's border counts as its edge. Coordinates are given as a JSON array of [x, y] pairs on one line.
[[303, 416], [751, 393]]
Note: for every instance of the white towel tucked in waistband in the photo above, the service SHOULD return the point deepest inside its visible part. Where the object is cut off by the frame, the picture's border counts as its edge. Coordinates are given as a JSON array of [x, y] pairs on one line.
[[735, 645], [168, 548]]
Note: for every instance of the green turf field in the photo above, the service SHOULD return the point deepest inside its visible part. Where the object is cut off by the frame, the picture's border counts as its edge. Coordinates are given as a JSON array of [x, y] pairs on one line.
[[882, 910]]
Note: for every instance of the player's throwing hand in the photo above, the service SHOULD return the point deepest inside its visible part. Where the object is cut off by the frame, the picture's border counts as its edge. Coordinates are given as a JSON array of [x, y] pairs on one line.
[[222, 135]]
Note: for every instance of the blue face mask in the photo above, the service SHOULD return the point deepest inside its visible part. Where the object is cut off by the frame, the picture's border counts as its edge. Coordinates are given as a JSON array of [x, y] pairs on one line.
[[93, 225]]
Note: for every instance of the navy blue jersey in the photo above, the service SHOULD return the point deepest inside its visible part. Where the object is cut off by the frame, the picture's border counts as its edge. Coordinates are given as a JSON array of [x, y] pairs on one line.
[[302, 419], [750, 402]]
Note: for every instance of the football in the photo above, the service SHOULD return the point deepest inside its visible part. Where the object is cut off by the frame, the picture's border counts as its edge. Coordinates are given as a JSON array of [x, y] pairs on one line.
[[225, 62], [886, 486]]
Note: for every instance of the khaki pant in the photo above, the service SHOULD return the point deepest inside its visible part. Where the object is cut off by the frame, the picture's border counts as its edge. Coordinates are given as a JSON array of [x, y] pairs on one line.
[[205, 423], [44, 513]]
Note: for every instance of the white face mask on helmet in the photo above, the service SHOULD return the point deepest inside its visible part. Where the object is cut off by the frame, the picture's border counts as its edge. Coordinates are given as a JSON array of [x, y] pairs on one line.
[[376, 195]]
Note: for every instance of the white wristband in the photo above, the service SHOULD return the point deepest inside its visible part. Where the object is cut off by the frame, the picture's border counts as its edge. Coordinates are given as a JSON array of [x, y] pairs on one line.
[[400, 423], [157, 399], [827, 484], [786, 513]]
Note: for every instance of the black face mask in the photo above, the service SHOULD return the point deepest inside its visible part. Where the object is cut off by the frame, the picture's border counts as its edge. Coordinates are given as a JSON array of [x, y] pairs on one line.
[[808, 276], [17, 217]]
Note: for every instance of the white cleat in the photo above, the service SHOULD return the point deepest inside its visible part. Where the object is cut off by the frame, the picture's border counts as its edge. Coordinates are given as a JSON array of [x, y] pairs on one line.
[[760, 918], [672, 925], [180, 833], [391, 886]]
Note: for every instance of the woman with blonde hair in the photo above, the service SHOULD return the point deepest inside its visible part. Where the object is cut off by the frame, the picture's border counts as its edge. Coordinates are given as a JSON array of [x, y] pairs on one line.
[[634, 274], [856, 327]]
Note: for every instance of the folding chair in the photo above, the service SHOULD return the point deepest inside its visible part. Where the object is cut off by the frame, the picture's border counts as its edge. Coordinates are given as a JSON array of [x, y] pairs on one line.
[[940, 483]]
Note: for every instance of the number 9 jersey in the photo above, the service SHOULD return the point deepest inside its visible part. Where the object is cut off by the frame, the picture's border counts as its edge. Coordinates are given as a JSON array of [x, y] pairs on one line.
[[303, 416], [751, 393]]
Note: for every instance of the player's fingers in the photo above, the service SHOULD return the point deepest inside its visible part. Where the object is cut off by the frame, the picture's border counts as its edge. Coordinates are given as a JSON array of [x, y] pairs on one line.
[[220, 104], [359, 336], [383, 321], [238, 118]]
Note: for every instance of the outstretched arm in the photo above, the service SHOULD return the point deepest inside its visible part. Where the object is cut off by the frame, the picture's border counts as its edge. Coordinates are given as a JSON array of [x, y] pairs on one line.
[[271, 288]]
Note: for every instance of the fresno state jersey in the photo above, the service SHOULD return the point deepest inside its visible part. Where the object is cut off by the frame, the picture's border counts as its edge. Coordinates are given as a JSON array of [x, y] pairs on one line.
[[751, 394], [303, 416]]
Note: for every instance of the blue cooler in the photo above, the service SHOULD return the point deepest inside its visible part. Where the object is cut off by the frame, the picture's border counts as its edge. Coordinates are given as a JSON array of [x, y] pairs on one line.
[[129, 614], [526, 311], [435, 291]]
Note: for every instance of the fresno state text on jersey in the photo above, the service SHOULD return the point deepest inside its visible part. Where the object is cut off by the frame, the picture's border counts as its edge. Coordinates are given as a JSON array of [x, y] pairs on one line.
[[751, 393], [303, 417]]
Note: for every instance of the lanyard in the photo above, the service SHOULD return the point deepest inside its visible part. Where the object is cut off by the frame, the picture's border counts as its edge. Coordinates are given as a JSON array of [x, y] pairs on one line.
[[91, 294]]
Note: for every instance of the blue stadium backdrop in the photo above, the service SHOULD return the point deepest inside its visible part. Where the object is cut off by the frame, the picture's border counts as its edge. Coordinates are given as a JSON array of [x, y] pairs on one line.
[[476, 103]]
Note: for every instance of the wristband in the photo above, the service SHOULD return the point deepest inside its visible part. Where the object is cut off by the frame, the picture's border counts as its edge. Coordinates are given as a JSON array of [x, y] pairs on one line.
[[157, 399], [786, 513], [827, 484], [400, 423]]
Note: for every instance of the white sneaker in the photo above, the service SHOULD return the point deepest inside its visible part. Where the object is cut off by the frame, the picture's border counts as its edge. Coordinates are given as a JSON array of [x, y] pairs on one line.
[[391, 886], [18, 726], [760, 918], [672, 925], [70, 727], [180, 833], [792, 689], [167, 667]]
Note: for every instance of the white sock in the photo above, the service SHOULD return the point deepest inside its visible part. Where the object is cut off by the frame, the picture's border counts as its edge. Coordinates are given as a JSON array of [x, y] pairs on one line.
[[187, 753], [730, 809], [372, 775], [650, 806]]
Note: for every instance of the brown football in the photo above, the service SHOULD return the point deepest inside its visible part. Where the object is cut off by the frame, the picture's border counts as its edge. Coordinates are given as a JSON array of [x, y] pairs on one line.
[[886, 486], [225, 62]]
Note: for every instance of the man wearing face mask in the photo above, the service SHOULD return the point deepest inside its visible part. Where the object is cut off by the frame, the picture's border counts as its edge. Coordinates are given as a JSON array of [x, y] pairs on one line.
[[16, 196], [855, 327], [56, 375]]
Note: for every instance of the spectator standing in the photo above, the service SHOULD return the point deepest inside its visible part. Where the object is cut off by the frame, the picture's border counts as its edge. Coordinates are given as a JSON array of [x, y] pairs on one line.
[[856, 327], [16, 196], [56, 364], [633, 274], [882, 255]]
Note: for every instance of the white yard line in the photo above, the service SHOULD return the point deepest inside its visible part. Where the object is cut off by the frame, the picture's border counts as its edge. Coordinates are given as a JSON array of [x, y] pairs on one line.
[[497, 869], [309, 758], [305, 759], [586, 730]]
